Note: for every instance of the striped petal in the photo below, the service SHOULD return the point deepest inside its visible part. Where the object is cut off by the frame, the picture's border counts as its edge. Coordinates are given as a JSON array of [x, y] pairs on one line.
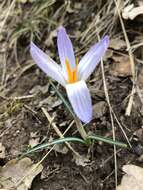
[[46, 64], [65, 48], [80, 100], [90, 60]]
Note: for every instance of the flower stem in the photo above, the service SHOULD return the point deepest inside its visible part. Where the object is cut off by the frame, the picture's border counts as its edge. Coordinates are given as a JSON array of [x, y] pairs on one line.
[[81, 129]]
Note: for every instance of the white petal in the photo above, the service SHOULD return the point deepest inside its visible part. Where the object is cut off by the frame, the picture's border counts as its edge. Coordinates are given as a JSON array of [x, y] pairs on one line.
[[80, 100], [65, 48], [90, 60], [46, 64]]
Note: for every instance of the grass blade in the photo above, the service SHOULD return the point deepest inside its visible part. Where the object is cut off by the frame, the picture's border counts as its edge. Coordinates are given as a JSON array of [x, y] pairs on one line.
[[57, 141], [107, 140]]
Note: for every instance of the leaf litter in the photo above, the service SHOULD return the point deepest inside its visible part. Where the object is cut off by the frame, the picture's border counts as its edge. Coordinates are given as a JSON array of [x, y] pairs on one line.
[[131, 12], [75, 16], [15, 170], [121, 66], [133, 178]]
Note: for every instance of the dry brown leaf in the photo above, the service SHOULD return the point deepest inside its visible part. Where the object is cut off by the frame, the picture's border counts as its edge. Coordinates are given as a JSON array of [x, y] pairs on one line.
[[60, 148], [121, 66], [117, 44], [139, 134], [81, 161], [15, 170], [33, 142], [133, 179], [109, 54], [99, 109], [130, 12]]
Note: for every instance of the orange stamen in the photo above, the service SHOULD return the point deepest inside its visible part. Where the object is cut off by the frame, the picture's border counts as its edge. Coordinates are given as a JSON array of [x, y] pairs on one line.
[[72, 74], [69, 72], [75, 71]]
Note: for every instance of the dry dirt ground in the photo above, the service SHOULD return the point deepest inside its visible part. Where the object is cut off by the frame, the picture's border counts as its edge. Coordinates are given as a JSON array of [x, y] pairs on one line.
[[25, 89]]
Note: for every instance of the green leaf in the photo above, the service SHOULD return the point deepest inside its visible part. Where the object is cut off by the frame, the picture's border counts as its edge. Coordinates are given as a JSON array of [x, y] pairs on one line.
[[107, 140], [57, 141]]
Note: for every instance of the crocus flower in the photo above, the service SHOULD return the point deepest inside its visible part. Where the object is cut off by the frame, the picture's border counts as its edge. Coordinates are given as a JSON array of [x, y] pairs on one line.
[[71, 74]]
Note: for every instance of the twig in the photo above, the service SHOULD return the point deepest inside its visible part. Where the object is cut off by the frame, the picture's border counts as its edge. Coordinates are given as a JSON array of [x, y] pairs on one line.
[[112, 122], [58, 131], [111, 116], [129, 49], [70, 125], [80, 128], [121, 128]]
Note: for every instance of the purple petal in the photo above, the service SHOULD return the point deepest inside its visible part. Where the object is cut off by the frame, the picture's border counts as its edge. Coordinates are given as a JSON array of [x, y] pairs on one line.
[[80, 100], [65, 48], [90, 60], [46, 64]]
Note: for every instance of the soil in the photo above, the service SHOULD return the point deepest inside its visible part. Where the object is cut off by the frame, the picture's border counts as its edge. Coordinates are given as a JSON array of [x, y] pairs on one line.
[[20, 118], [60, 170]]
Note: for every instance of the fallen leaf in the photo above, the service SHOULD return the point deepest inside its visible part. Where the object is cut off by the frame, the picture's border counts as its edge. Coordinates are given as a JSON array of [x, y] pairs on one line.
[[34, 142], [117, 44], [15, 170], [78, 5], [109, 54], [99, 109], [47, 101], [139, 134], [130, 12], [57, 103], [133, 179], [2, 151], [121, 66], [36, 89], [34, 134], [60, 148], [81, 161]]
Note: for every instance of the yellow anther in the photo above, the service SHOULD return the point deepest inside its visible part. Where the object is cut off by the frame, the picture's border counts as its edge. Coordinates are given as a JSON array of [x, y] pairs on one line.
[[72, 74], [69, 72]]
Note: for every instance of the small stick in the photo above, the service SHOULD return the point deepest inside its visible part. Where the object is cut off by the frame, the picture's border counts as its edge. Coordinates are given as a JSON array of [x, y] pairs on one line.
[[58, 131], [129, 49], [80, 128], [111, 117]]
